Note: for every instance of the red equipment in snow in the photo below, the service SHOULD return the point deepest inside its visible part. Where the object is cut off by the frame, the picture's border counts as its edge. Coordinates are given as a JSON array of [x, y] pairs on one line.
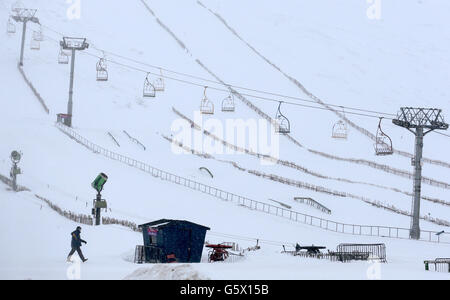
[[218, 252]]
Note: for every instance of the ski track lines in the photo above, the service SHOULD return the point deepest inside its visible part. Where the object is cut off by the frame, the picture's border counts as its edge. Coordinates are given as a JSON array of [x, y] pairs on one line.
[[298, 167], [385, 168], [362, 130], [253, 205]]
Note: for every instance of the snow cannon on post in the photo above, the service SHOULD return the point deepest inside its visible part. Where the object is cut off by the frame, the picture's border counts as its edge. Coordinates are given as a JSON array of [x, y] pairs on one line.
[[99, 203], [16, 156]]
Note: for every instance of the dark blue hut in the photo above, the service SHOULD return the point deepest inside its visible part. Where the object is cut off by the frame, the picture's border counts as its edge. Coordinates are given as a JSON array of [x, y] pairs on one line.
[[173, 240]]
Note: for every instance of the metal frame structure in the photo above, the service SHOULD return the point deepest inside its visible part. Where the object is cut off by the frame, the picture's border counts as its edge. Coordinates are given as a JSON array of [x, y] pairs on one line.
[[440, 265], [377, 251], [72, 44], [102, 70], [283, 123], [149, 90], [383, 143], [417, 120], [206, 106], [228, 104]]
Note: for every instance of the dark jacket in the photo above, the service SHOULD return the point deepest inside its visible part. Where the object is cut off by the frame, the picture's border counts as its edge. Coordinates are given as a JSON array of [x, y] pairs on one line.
[[76, 239]]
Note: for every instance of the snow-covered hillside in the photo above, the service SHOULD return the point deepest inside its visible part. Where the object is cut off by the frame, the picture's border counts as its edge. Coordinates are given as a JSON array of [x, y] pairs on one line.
[[337, 54]]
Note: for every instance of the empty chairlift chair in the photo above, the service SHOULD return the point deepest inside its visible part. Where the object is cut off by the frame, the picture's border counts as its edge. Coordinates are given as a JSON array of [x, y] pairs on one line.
[[283, 124], [159, 83], [38, 36], [149, 88], [10, 27], [35, 44], [206, 106], [340, 130], [102, 70], [228, 104], [383, 144], [63, 58]]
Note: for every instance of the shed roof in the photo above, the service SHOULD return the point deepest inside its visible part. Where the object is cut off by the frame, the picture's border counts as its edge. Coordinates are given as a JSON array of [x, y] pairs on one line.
[[167, 222]]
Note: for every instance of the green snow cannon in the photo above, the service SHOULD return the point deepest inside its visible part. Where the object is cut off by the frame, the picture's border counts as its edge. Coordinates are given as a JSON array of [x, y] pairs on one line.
[[99, 182]]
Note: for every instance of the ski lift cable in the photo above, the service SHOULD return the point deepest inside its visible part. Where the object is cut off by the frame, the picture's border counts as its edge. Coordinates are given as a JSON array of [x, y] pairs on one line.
[[376, 114], [228, 85], [127, 66]]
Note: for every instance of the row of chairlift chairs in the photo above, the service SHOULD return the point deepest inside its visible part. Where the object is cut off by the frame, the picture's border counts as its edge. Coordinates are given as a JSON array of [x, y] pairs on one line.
[[383, 144]]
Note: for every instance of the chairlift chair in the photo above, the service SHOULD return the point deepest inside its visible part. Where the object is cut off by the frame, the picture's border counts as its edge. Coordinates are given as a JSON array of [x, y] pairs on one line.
[[228, 104], [340, 130], [149, 88], [206, 106], [10, 27], [38, 36], [102, 70], [159, 83], [63, 58], [383, 143], [283, 124], [35, 45]]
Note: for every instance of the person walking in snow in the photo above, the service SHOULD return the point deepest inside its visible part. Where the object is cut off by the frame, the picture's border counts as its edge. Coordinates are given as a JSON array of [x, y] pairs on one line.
[[76, 244]]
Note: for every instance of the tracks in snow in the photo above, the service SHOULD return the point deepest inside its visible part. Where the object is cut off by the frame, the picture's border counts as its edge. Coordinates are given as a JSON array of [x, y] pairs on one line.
[[371, 164], [304, 185], [295, 166], [362, 130]]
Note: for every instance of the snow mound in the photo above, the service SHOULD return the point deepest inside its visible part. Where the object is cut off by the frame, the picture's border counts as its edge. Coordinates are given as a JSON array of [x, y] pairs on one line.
[[167, 272]]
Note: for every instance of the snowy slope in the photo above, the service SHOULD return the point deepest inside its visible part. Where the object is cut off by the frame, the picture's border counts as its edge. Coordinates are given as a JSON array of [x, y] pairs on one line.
[[60, 169]]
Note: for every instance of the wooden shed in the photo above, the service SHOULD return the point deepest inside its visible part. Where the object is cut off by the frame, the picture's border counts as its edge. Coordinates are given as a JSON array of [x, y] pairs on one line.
[[173, 241]]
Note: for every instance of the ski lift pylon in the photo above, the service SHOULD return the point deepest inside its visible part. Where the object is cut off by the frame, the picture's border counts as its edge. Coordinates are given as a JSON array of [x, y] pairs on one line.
[[102, 70], [228, 104], [340, 130], [283, 124], [149, 88], [159, 83], [10, 27], [206, 106], [383, 143]]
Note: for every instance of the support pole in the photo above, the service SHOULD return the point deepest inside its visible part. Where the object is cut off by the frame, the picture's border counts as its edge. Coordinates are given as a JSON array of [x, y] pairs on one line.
[[415, 228], [68, 120], [22, 50], [72, 44], [14, 177], [97, 210]]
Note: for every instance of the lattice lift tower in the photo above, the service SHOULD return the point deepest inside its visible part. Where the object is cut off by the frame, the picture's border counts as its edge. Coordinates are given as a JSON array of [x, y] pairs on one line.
[[417, 120]]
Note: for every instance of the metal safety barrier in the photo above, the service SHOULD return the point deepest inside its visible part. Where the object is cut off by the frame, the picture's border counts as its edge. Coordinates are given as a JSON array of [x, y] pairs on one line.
[[351, 229]]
